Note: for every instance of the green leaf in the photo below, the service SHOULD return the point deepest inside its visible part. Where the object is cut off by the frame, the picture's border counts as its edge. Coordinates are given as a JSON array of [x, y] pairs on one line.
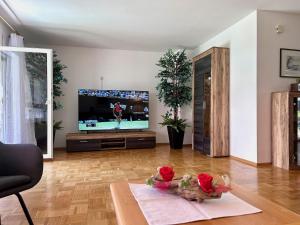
[[150, 182], [174, 87], [177, 124], [185, 183], [36, 64], [57, 125]]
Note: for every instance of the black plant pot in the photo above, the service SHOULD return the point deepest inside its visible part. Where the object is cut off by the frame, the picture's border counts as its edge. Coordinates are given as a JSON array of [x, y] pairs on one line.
[[175, 138]]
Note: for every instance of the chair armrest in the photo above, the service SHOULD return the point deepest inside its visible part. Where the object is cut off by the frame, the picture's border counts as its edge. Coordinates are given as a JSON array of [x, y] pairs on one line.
[[21, 159]]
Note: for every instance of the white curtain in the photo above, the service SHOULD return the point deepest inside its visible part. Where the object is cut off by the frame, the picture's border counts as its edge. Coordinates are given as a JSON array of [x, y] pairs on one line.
[[18, 120]]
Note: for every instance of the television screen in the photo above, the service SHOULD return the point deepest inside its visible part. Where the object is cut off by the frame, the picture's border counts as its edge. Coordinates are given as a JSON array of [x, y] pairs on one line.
[[113, 109]]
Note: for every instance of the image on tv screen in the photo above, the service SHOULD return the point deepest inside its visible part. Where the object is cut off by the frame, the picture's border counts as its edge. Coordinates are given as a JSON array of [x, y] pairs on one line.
[[113, 109]]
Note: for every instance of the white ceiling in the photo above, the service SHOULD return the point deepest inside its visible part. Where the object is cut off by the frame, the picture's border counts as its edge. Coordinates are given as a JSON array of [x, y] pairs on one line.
[[133, 24]]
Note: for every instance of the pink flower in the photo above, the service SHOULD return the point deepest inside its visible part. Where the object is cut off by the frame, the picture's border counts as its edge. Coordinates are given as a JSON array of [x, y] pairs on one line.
[[162, 185], [222, 189]]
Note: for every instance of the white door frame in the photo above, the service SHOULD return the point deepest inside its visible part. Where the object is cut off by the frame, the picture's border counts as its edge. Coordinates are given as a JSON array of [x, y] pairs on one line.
[[49, 101]]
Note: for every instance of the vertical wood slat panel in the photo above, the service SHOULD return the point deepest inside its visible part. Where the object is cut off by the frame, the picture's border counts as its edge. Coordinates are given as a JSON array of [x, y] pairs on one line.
[[220, 102], [284, 129], [280, 129]]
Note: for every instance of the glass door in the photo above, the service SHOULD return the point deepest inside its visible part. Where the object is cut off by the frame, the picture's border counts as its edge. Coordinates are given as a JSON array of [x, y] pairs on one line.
[[206, 112], [296, 155], [26, 97], [202, 89]]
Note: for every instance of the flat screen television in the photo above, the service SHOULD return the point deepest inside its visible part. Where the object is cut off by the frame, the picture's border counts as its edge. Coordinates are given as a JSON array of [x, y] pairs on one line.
[[105, 110]]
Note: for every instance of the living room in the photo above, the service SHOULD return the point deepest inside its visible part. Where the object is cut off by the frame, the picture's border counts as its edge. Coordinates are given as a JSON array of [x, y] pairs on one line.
[[98, 97]]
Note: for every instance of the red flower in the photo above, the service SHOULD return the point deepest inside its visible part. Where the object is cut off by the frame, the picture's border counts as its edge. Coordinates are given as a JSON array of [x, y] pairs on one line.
[[166, 173], [205, 182]]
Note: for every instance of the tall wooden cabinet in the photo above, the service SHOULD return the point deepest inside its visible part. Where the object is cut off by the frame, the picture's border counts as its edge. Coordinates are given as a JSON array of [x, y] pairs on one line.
[[211, 102], [286, 129]]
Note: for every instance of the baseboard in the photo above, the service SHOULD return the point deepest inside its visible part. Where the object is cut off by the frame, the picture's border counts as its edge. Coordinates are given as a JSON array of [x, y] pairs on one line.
[[167, 144], [250, 163], [187, 145], [46, 160], [60, 149], [161, 144], [264, 164]]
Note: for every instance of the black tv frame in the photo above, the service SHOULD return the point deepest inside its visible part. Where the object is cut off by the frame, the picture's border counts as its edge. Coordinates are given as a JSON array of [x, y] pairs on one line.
[[114, 130]]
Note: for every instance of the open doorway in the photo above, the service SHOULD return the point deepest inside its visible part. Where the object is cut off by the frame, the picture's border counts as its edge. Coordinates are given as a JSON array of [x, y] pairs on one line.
[[26, 97]]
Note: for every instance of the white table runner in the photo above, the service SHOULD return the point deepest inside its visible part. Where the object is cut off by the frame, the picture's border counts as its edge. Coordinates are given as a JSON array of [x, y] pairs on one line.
[[160, 208]]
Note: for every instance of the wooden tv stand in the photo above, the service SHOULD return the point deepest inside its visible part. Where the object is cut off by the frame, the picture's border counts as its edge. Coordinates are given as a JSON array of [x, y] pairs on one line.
[[77, 142]]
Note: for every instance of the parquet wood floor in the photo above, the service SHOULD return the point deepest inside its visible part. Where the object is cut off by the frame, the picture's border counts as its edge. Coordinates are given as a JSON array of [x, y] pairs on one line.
[[74, 189]]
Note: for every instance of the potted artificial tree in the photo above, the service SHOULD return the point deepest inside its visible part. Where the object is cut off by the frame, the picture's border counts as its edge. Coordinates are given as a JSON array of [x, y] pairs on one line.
[[174, 90], [58, 80], [40, 59]]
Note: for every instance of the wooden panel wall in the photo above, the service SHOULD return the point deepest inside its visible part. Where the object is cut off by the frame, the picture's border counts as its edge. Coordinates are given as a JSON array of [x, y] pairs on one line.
[[280, 129], [285, 124], [220, 102]]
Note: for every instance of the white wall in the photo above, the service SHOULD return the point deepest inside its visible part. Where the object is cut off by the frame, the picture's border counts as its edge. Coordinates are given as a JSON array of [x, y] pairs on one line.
[[242, 41], [269, 44], [121, 70], [254, 74]]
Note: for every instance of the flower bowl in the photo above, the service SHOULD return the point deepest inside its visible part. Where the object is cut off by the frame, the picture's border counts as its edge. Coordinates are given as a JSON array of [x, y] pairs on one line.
[[192, 188]]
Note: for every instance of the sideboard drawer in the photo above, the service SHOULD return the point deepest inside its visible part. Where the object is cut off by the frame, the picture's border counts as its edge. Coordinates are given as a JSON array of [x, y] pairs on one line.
[[83, 145], [141, 142]]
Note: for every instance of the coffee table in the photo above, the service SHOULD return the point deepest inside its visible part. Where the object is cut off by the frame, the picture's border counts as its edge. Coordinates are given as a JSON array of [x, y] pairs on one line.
[[129, 213]]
